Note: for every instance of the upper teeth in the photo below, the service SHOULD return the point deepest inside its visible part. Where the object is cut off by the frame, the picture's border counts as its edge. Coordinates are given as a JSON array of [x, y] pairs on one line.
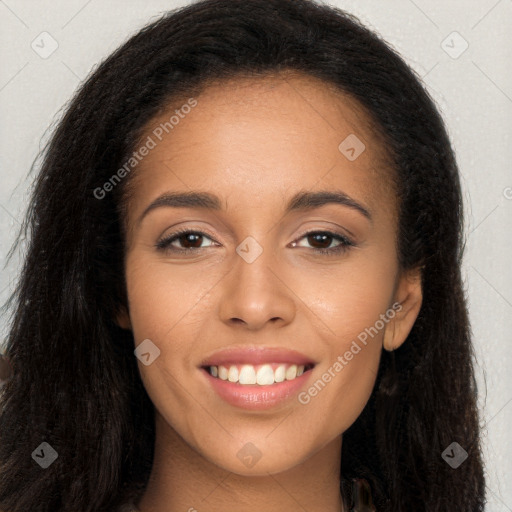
[[264, 375]]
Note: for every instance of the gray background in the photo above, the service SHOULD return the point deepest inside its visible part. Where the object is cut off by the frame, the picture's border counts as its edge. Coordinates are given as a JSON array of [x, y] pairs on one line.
[[473, 89]]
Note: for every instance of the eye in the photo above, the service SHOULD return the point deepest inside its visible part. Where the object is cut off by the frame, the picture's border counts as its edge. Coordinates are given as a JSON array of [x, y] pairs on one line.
[[191, 240], [324, 239]]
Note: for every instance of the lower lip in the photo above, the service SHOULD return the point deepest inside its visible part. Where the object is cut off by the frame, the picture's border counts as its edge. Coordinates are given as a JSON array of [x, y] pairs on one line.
[[256, 397]]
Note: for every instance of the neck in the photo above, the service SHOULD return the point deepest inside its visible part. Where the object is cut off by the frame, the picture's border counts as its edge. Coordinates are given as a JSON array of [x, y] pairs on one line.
[[183, 480]]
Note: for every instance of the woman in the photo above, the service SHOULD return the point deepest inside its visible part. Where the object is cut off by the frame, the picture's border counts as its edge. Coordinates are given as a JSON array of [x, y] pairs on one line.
[[316, 352]]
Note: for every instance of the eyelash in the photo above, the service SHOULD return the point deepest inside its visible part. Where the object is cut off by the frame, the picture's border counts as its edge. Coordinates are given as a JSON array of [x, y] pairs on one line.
[[165, 243]]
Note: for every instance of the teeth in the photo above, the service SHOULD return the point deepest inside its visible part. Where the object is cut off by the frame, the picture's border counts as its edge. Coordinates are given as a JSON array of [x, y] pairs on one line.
[[233, 374], [280, 373], [247, 375], [223, 373], [291, 372], [263, 375]]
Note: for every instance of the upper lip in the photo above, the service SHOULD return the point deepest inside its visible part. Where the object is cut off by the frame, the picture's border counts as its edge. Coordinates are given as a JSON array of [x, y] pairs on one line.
[[256, 355]]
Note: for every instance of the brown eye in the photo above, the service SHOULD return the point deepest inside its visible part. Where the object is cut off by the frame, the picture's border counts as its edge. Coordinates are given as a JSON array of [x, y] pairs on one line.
[[187, 240], [321, 240], [190, 240]]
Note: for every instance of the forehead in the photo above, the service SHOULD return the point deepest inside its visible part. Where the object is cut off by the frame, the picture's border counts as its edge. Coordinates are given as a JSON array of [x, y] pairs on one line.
[[263, 137]]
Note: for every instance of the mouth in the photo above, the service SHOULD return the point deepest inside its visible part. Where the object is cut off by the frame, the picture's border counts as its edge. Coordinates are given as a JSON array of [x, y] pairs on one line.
[[267, 374], [256, 378]]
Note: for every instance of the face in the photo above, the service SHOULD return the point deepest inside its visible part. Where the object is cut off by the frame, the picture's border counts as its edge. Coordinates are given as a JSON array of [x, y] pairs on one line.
[[260, 269]]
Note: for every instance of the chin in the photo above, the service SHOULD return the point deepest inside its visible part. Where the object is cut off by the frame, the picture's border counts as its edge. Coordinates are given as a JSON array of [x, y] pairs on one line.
[[260, 468]]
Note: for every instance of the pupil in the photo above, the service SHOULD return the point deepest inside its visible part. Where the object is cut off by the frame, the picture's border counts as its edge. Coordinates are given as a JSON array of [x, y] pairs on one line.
[[323, 238], [189, 238]]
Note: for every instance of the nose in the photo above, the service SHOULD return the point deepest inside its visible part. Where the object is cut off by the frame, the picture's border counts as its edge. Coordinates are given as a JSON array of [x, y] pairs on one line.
[[256, 294]]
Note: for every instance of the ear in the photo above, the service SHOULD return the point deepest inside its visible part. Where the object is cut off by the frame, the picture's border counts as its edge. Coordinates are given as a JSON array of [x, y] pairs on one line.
[[407, 305], [123, 319]]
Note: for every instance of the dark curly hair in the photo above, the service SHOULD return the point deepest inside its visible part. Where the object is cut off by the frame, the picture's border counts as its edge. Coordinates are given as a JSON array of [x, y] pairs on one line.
[[75, 381]]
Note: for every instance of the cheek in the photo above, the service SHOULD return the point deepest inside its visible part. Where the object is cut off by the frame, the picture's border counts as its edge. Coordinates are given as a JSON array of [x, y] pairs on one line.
[[349, 298], [346, 385], [166, 299], [353, 304], [352, 345]]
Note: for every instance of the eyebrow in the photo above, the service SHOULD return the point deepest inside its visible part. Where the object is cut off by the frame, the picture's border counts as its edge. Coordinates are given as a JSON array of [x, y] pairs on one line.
[[303, 200]]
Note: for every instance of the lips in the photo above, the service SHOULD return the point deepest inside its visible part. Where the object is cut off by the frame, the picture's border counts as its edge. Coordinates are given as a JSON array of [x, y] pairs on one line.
[[256, 356], [271, 388]]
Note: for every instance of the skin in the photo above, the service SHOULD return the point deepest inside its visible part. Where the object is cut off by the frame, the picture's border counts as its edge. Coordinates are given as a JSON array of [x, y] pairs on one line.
[[255, 143]]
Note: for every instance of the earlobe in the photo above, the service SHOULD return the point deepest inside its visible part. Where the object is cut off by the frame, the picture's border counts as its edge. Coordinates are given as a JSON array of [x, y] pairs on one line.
[[409, 296]]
